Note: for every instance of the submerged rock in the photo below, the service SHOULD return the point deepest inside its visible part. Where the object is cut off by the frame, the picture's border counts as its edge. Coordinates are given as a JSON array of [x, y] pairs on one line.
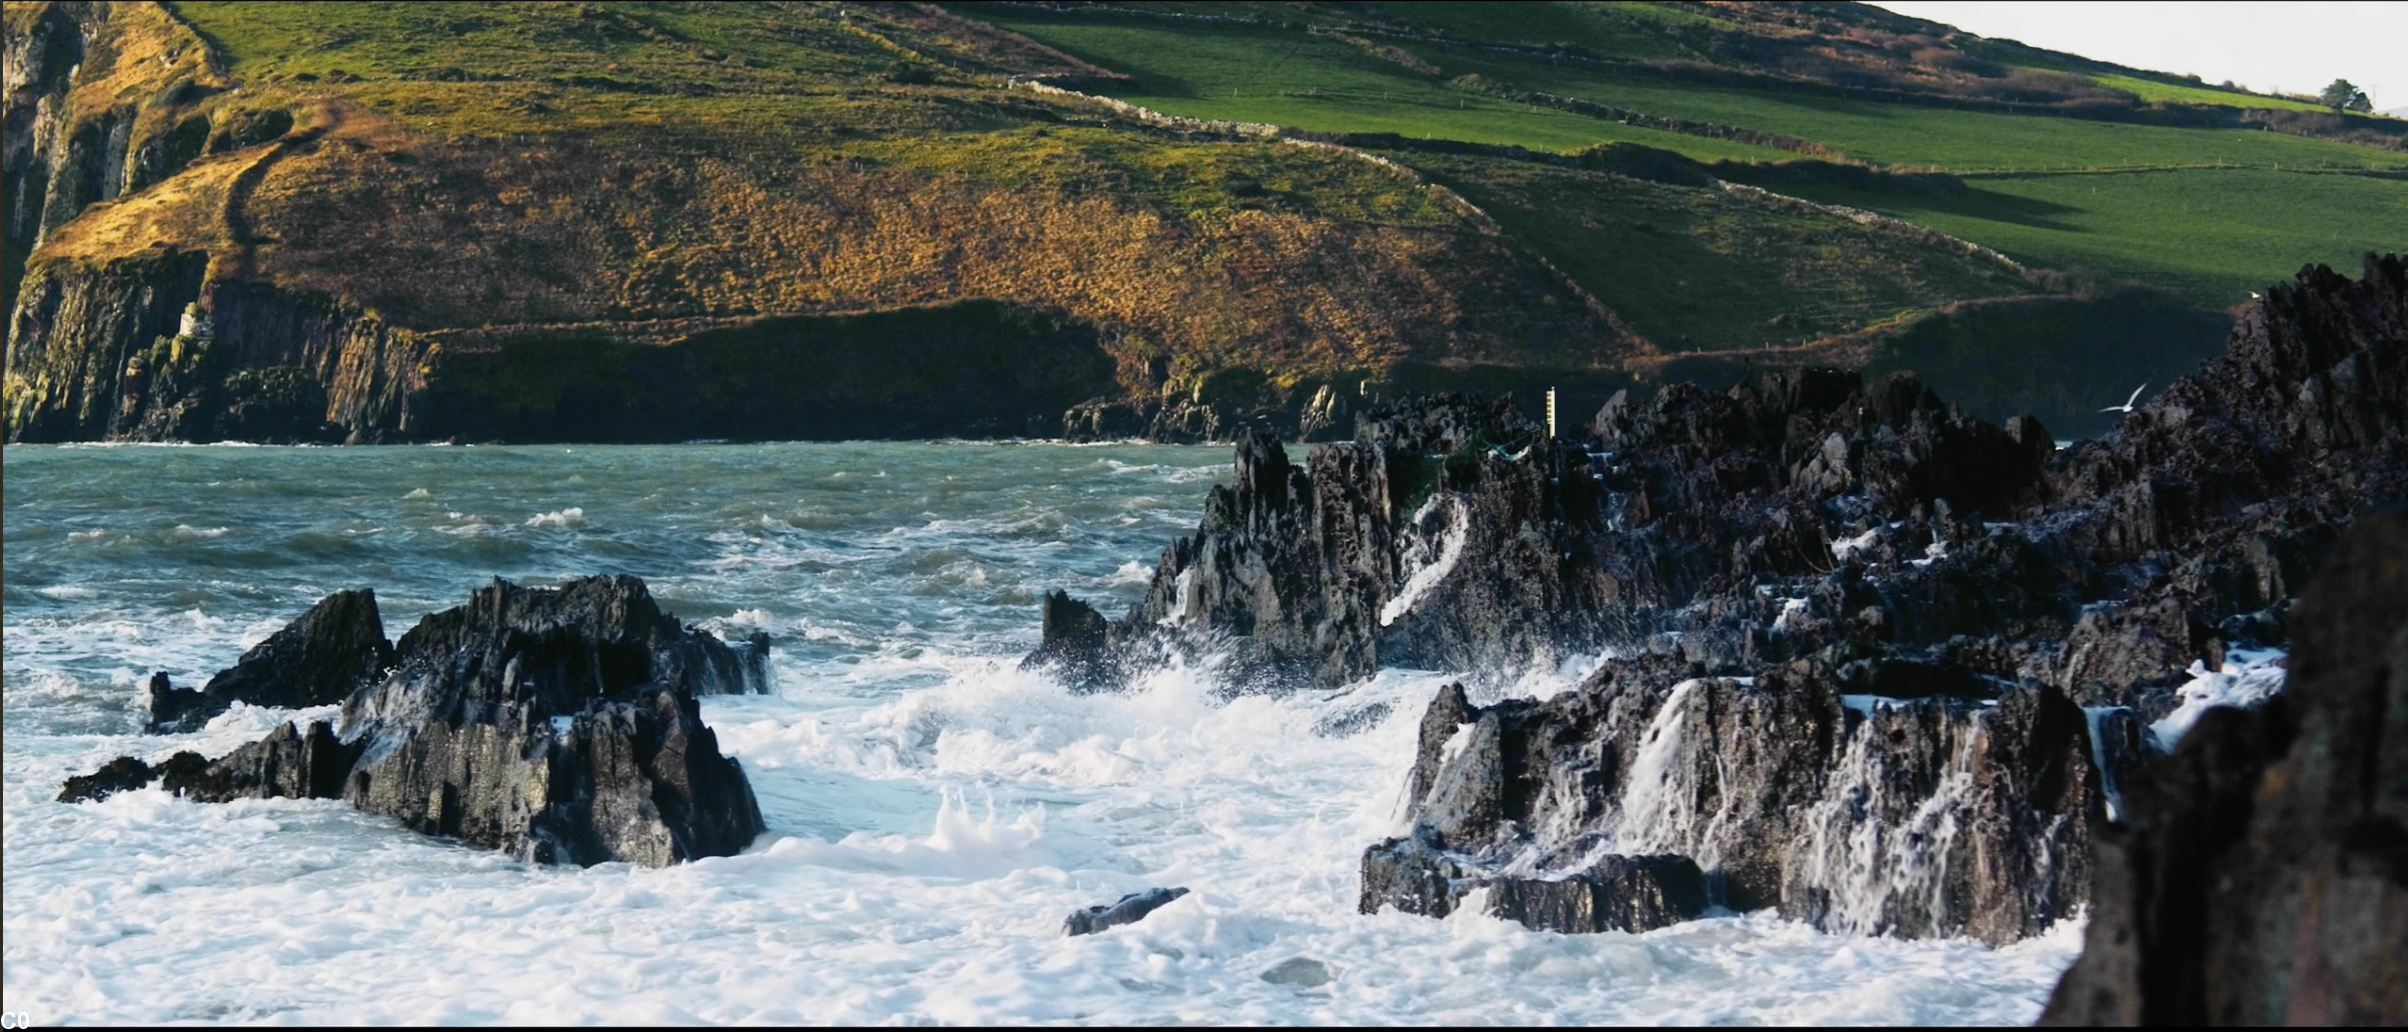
[[317, 660], [1301, 972], [1130, 909], [557, 724], [2261, 874]]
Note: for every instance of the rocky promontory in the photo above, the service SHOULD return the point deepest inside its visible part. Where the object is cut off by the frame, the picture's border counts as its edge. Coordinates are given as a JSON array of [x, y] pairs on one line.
[[1867, 660], [557, 724]]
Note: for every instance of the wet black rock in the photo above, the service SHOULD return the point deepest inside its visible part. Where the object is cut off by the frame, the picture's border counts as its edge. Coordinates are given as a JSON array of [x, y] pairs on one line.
[[1940, 815], [558, 724], [2261, 874], [317, 660], [287, 764], [1129, 909], [1874, 663], [123, 774], [1075, 644], [1608, 892]]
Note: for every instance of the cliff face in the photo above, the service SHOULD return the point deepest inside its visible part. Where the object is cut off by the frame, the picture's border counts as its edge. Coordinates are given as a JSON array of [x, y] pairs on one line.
[[99, 101], [103, 353], [920, 264], [535, 224]]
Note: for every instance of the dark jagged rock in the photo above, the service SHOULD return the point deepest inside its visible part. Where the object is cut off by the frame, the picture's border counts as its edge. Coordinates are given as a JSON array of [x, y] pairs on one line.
[[1936, 816], [2261, 875], [558, 724], [287, 764], [1075, 644], [1609, 893], [317, 660], [1130, 909], [1875, 663], [123, 774], [176, 709]]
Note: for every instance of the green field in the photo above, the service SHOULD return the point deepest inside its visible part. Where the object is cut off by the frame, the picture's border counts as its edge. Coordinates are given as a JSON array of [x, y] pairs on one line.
[[2154, 91], [1695, 269], [2231, 231], [2206, 213], [1312, 82]]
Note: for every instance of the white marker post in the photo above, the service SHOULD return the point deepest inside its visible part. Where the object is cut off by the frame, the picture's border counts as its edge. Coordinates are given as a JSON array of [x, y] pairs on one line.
[[1550, 413]]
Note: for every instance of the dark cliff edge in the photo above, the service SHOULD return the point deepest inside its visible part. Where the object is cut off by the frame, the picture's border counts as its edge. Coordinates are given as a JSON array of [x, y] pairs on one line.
[[109, 353], [1869, 661]]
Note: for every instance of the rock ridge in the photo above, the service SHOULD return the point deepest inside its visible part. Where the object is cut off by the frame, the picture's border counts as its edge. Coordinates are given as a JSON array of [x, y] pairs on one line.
[[1866, 660], [557, 724]]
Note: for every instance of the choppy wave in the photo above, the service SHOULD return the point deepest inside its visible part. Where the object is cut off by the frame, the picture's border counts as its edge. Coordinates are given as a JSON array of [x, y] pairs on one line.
[[934, 810]]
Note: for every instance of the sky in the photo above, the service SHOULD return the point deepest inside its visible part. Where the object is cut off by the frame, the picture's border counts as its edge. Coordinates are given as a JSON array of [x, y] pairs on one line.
[[2268, 47]]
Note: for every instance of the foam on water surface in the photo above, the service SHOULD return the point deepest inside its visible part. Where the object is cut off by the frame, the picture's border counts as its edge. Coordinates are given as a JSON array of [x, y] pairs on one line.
[[934, 811]]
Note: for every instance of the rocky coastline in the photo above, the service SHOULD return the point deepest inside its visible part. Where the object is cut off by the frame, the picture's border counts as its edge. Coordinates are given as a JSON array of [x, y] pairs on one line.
[[556, 724], [1855, 657], [1867, 661]]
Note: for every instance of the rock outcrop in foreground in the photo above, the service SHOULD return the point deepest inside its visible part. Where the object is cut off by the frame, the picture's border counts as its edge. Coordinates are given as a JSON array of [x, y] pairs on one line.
[[2260, 876], [557, 724], [317, 660], [1873, 663]]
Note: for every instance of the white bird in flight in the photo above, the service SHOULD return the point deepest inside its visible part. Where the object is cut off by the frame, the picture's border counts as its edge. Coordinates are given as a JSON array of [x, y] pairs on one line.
[[2126, 407]]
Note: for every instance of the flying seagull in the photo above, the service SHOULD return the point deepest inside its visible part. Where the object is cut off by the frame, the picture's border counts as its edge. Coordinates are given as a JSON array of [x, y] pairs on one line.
[[2126, 407]]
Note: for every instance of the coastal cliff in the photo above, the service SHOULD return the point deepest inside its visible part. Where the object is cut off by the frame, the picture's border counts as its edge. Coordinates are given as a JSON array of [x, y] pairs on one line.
[[669, 223]]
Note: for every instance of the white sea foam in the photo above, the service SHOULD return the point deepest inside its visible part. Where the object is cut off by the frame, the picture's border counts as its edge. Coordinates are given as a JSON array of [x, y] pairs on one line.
[[1431, 553], [2249, 677], [1843, 548], [933, 810], [934, 906], [558, 518]]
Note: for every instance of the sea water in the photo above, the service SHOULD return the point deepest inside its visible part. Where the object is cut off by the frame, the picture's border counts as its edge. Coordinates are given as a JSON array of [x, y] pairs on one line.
[[934, 811]]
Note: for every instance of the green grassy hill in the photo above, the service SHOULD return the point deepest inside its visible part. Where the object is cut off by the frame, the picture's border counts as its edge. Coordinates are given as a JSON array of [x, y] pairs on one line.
[[2206, 213], [478, 219]]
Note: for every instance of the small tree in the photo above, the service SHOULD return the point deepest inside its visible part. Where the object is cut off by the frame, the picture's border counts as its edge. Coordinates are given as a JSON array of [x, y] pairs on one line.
[[2344, 95]]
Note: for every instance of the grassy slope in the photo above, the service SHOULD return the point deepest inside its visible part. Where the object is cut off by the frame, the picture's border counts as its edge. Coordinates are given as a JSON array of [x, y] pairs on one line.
[[1686, 268], [1302, 81], [659, 161], [1700, 269], [544, 163], [2187, 225]]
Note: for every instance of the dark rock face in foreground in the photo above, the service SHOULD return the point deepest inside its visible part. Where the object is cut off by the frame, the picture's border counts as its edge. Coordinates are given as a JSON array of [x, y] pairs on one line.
[[317, 660], [1875, 663], [2261, 875], [557, 724], [1932, 817]]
